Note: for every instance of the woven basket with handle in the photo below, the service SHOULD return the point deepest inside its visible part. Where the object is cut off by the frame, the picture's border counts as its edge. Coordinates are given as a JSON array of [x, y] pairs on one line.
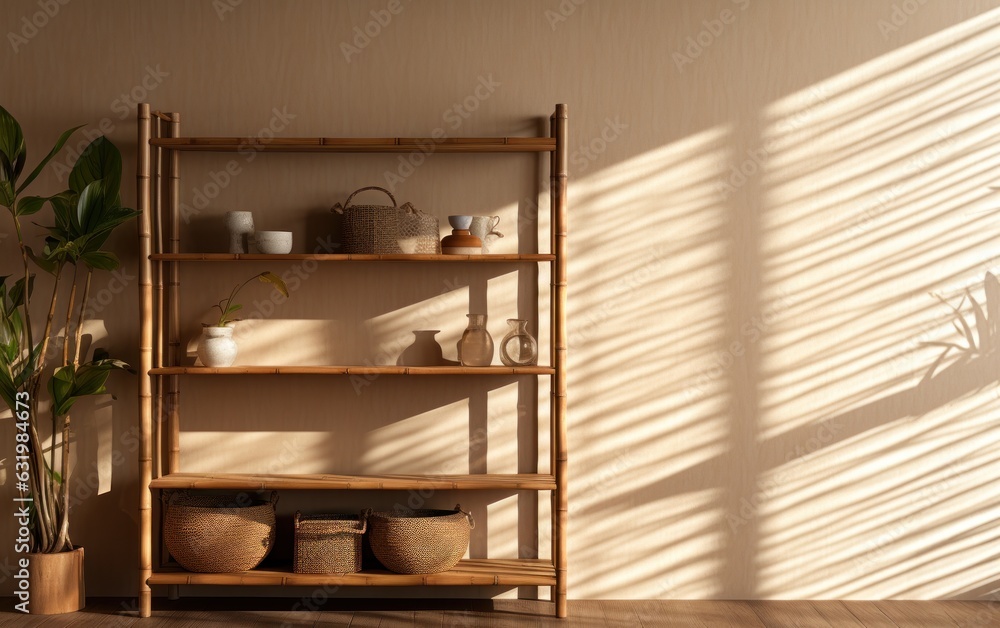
[[218, 533], [420, 541], [370, 228], [328, 543]]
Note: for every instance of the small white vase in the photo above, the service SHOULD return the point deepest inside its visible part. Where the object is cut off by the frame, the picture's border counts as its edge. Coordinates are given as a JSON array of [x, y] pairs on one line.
[[217, 347]]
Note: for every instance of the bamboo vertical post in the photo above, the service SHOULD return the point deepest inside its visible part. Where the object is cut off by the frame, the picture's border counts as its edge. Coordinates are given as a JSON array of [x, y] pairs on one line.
[[145, 363], [158, 304], [173, 296], [560, 177]]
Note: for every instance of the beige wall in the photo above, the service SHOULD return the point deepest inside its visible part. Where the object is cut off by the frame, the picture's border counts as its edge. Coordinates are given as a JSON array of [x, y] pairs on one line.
[[751, 410]]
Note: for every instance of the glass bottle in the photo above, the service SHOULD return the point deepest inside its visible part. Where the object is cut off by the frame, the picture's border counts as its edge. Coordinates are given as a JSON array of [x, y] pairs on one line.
[[476, 347], [518, 347]]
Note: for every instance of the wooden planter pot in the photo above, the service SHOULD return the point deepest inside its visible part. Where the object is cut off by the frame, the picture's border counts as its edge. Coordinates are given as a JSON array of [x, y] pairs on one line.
[[56, 583]]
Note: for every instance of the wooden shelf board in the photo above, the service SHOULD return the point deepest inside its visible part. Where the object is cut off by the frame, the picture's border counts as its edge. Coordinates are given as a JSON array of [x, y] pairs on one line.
[[480, 572], [349, 257], [360, 144], [353, 370], [261, 482]]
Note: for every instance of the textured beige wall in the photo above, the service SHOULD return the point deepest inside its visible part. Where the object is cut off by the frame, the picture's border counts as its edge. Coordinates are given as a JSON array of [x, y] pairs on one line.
[[763, 194]]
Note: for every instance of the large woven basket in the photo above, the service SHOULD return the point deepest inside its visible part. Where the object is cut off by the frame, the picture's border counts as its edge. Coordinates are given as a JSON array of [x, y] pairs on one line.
[[420, 541], [370, 228], [218, 533], [328, 543]]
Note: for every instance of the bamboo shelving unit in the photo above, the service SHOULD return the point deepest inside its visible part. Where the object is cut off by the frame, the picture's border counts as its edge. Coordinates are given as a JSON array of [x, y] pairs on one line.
[[158, 186]]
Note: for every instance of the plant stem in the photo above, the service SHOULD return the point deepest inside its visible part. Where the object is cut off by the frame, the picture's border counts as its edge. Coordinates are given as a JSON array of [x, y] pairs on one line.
[[79, 320], [48, 321], [27, 280], [63, 536], [229, 301], [69, 319]]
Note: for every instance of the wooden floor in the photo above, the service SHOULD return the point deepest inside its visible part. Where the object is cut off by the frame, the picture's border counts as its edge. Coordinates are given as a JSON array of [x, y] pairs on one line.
[[195, 612]]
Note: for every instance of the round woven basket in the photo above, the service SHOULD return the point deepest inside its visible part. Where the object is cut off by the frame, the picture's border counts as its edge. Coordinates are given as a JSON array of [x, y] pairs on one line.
[[370, 228], [420, 541], [218, 533]]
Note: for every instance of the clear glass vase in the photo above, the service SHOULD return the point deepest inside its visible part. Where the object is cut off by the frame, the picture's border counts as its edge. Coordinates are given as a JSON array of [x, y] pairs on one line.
[[476, 347], [518, 347]]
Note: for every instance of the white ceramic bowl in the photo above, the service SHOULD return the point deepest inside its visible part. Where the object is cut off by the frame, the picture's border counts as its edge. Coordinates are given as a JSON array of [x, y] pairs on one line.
[[274, 242]]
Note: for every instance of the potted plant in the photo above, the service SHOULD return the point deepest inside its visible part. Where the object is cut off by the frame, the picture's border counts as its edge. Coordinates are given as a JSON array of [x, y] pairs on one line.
[[35, 356], [217, 347]]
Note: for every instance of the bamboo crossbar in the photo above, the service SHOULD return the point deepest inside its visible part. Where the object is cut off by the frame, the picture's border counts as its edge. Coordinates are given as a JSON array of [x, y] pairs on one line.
[[261, 482], [351, 257], [361, 144], [475, 572], [353, 370]]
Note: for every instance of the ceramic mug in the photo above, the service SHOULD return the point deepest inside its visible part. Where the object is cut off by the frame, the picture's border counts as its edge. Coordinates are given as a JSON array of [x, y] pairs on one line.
[[484, 228]]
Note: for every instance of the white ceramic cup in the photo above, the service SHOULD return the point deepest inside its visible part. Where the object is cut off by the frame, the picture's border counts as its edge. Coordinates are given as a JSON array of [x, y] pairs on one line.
[[484, 228], [240, 225]]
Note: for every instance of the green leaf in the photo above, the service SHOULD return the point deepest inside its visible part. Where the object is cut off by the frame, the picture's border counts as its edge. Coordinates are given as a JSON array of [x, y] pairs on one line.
[[97, 213], [68, 383], [6, 193], [100, 260], [29, 205], [46, 263], [17, 291], [52, 153], [101, 160], [271, 278], [91, 206], [12, 148], [8, 391]]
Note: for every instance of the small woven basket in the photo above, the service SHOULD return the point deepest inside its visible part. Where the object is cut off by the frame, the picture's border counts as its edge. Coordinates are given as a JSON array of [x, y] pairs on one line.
[[420, 541], [218, 533], [328, 543], [370, 228], [417, 232]]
